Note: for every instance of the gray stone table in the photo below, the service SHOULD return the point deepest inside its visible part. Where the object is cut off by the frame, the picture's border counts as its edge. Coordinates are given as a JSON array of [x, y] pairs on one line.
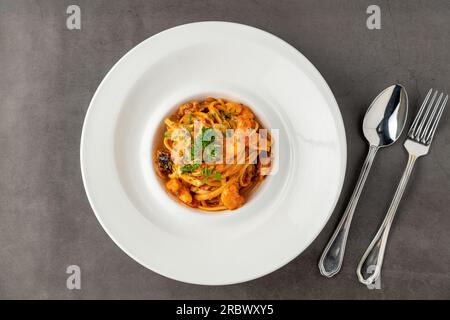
[[49, 74]]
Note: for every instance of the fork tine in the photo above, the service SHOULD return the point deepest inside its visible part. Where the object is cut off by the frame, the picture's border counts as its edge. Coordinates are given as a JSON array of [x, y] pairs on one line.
[[424, 118], [430, 134], [416, 119], [430, 118]]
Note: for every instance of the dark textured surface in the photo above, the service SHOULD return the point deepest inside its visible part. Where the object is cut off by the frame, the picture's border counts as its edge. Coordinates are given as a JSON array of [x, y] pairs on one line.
[[49, 74]]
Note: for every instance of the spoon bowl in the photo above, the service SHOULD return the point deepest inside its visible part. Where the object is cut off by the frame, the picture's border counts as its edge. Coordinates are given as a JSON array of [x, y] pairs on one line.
[[386, 117]]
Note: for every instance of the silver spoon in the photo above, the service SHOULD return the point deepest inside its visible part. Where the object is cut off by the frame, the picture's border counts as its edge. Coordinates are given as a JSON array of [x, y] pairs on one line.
[[382, 126]]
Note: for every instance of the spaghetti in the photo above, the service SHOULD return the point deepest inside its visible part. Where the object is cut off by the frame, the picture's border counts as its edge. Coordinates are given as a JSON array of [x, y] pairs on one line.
[[203, 171]]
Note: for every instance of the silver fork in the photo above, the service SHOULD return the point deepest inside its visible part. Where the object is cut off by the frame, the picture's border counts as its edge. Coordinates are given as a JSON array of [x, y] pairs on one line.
[[417, 144]]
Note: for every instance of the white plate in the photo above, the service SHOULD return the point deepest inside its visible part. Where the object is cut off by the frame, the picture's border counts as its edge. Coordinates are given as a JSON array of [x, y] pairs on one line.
[[223, 60]]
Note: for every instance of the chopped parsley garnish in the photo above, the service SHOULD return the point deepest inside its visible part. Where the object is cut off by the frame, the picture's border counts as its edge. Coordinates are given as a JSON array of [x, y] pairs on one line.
[[204, 142], [207, 171], [217, 175], [200, 142], [189, 167]]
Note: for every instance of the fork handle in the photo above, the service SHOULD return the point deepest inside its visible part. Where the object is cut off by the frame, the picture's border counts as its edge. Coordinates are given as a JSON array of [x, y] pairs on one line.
[[369, 268]]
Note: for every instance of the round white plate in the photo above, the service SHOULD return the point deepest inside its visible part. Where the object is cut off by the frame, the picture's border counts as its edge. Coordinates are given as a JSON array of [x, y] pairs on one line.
[[224, 60]]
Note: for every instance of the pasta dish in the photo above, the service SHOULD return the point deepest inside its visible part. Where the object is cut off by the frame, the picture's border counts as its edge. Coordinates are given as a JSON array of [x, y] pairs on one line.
[[212, 154]]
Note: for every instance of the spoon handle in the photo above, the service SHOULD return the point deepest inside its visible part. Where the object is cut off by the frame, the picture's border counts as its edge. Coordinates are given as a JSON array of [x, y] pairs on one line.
[[331, 260]]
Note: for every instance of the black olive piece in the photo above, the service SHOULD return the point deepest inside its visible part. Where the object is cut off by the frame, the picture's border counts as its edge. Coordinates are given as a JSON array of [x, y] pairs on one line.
[[164, 162]]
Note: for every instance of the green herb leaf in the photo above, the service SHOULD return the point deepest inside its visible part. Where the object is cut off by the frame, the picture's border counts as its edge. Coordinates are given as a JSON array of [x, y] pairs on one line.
[[207, 171], [204, 142], [189, 167], [217, 175], [200, 142]]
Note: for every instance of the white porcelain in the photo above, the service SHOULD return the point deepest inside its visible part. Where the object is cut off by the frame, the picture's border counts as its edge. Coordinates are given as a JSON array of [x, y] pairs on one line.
[[223, 60]]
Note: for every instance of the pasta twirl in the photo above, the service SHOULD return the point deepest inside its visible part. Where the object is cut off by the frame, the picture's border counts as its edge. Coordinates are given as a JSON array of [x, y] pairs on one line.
[[210, 155]]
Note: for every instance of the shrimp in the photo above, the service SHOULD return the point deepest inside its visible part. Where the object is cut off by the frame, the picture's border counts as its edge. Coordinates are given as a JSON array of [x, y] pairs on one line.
[[175, 186], [231, 198]]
